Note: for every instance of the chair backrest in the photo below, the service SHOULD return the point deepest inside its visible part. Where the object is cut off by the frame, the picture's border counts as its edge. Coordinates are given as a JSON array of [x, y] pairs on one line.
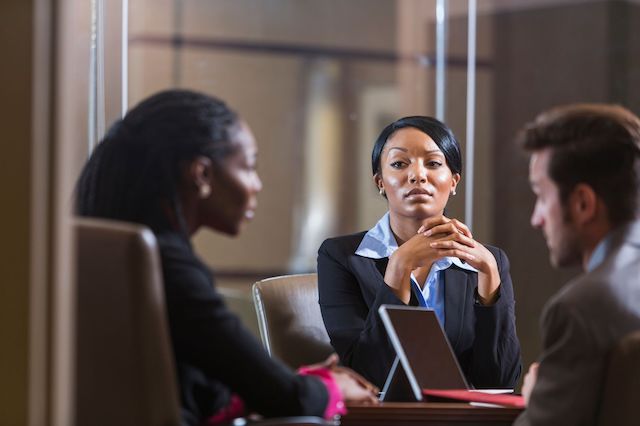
[[620, 397], [289, 318], [125, 373]]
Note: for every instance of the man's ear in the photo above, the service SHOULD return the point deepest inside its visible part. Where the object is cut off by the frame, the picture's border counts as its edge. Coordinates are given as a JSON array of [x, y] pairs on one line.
[[583, 204]]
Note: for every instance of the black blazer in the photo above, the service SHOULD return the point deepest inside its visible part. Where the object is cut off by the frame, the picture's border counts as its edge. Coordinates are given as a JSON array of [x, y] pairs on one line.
[[216, 355], [351, 289]]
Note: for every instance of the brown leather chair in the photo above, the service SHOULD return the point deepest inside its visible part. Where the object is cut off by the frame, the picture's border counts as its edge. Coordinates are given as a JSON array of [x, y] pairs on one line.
[[289, 319], [622, 384], [125, 373]]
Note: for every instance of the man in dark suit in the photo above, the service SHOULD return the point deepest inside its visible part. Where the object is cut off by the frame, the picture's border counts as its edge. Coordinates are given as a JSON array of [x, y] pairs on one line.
[[585, 173]]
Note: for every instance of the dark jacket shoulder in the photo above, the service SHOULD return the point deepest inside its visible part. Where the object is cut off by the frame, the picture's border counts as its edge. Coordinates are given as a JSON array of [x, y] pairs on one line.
[[343, 245], [180, 265]]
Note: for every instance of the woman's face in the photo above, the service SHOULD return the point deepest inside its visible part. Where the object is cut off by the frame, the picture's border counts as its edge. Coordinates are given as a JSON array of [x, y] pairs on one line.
[[415, 175], [234, 185]]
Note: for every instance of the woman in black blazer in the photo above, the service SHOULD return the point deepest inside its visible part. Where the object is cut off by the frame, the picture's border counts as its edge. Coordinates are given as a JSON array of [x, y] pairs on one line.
[[177, 161], [416, 255]]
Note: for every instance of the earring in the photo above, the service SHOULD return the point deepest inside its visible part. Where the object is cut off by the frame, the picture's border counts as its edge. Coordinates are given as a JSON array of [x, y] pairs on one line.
[[381, 191], [204, 191], [453, 192]]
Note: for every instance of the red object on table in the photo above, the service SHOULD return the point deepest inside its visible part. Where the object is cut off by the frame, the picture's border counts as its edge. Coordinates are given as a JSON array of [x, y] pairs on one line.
[[475, 396]]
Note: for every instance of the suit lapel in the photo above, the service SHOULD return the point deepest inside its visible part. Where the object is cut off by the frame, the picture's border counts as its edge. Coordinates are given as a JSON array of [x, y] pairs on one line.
[[370, 273], [374, 270], [380, 266], [456, 282]]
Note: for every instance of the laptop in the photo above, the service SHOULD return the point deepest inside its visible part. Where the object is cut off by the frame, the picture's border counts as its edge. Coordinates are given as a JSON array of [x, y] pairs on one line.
[[424, 356]]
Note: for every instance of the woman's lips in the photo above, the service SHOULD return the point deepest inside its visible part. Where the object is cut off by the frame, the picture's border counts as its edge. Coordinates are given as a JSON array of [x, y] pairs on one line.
[[419, 192]]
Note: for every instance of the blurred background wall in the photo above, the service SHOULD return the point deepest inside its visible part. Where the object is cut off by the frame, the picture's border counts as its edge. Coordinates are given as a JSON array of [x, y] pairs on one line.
[[317, 80]]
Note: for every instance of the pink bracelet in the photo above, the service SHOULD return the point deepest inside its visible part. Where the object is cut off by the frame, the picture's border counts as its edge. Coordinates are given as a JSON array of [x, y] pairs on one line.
[[226, 414], [336, 403]]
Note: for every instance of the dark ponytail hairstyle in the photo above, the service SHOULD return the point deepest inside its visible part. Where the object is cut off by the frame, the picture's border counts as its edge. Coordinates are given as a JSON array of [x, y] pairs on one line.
[[435, 129], [134, 173]]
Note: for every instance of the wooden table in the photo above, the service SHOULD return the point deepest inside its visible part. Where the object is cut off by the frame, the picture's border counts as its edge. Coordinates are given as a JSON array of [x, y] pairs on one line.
[[428, 414]]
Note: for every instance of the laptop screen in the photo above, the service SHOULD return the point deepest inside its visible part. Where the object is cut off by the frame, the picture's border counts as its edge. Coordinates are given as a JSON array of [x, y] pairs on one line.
[[422, 349]]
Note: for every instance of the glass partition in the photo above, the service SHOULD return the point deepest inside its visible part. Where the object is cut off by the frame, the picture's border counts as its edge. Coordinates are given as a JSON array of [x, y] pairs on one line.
[[317, 80]]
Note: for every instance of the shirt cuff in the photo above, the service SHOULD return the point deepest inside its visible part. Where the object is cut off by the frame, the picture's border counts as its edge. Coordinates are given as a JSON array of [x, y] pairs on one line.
[[234, 410], [336, 405], [477, 299]]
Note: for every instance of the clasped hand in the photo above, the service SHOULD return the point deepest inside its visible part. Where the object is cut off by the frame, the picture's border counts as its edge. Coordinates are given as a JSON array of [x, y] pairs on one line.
[[440, 237]]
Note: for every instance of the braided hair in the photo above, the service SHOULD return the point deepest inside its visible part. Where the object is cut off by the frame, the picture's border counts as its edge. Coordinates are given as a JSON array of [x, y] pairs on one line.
[[134, 173]]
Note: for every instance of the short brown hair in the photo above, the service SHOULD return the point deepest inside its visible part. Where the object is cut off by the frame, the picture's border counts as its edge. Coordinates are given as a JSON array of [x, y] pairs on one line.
[[595, 144]]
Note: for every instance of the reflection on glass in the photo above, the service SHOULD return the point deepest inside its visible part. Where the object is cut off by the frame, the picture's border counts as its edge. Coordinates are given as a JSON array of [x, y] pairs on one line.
[[317, 80], [281, 62], [317, 212], [96, 124]]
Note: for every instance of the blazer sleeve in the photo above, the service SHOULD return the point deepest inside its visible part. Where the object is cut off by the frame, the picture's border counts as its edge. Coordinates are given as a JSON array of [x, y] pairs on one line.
[[495, 360], [571, 373], [353, 324], [208, 336]]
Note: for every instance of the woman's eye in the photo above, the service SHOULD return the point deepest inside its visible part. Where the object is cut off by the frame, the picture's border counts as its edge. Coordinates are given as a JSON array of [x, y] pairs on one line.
[[397, 164], [434, 163]]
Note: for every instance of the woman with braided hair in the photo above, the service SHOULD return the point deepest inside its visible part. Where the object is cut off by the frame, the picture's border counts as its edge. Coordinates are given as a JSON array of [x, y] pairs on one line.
[[178, 161]]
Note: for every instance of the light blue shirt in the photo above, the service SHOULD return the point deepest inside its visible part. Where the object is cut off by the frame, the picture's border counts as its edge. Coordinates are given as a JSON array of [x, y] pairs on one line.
[[600, 252], [379, 243]]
